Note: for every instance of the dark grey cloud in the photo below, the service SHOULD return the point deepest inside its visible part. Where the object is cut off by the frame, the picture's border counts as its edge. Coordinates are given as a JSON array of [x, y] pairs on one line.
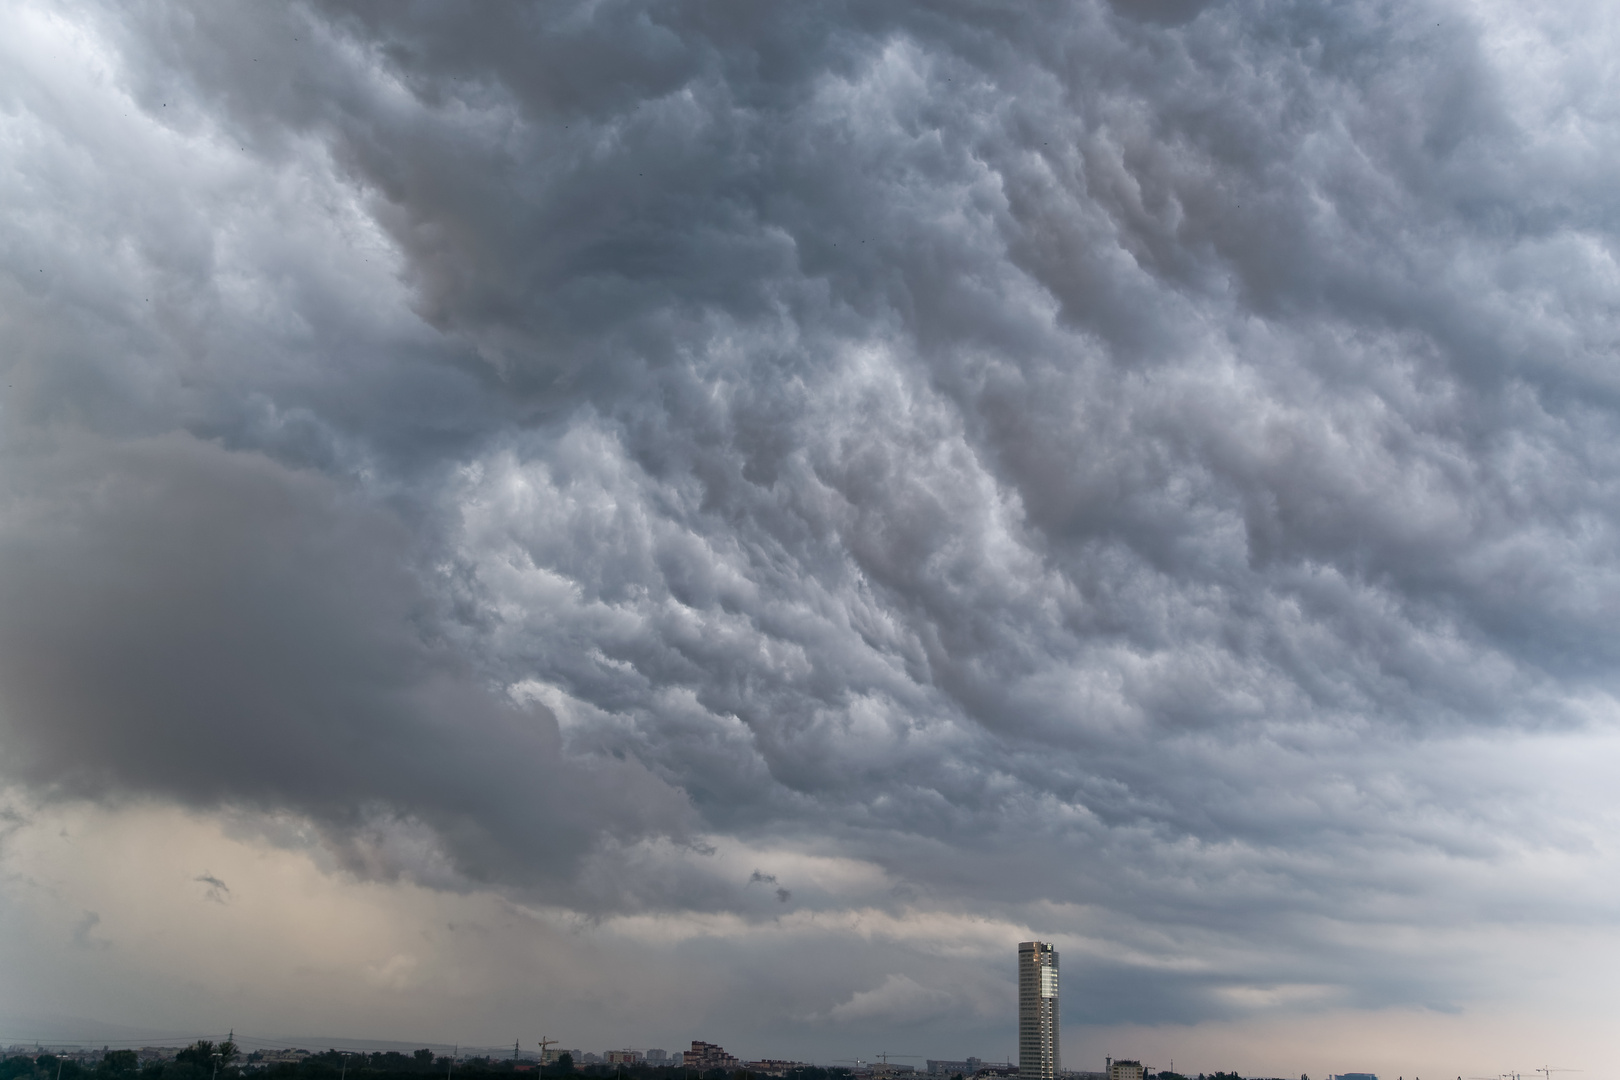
[[218, 892], [191, 622], [1147, 456], [85, 928]]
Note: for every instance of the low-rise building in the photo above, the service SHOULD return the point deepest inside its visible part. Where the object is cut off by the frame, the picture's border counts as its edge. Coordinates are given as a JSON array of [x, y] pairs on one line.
[[705, 1056], [282, 1057], [1125, 1069]]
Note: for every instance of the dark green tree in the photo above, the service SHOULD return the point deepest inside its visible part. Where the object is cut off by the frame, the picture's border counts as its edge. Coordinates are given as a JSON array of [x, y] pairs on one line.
[[199, 1053], [118, 1063], [17, 1068]]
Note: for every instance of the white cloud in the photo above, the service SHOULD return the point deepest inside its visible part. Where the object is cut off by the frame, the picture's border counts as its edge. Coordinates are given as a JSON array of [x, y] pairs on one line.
[[897, 1000]]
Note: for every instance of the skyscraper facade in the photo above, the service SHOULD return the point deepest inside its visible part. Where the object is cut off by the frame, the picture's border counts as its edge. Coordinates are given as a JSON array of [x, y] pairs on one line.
[[1037, 1011]]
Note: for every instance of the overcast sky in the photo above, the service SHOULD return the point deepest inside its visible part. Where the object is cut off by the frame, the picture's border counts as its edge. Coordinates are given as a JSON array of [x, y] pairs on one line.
[[638, 522]]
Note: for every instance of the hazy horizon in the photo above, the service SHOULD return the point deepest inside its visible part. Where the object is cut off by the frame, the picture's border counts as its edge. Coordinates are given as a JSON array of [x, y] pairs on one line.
[[639, 521]]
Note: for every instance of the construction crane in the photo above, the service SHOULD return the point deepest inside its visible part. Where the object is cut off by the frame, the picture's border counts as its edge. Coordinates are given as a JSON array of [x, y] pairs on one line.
[[540, 1069]]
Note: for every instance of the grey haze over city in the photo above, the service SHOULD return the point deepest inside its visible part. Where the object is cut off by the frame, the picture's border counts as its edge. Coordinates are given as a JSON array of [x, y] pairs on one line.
[[639, 522]]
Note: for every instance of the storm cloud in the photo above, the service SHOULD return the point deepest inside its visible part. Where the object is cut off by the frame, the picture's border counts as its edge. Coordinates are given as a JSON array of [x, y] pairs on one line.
[[1142, 473]]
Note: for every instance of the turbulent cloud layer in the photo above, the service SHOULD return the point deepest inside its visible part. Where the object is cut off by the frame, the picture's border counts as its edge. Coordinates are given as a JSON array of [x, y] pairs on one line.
[[1140, 473]]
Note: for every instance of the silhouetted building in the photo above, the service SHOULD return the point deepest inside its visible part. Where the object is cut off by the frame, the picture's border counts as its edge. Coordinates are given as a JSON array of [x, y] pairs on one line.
[[705, 1056], [1125, 1069], [1038, 1011]]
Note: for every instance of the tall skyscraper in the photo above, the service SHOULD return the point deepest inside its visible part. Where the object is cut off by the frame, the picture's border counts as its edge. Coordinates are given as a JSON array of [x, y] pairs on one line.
[[1037, 1011]]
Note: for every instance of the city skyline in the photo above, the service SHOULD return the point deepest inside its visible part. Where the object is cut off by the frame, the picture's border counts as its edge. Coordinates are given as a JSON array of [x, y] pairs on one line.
[[251, 1055], [1038, 1056], [703, 1059]]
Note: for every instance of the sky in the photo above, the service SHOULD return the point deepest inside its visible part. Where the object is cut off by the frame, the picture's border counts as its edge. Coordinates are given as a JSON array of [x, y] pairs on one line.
[[635, 521]]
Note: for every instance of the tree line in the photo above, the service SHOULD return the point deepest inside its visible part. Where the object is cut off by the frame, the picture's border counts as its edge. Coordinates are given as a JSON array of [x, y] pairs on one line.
[[206, 1060]]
